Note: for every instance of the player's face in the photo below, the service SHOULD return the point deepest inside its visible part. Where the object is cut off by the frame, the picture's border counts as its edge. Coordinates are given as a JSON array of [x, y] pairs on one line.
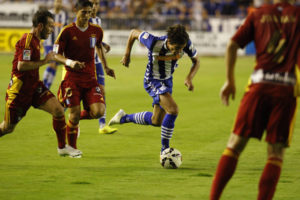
[[175, 48], [83, 15], [58, 4], [47, 29], [95, 6]]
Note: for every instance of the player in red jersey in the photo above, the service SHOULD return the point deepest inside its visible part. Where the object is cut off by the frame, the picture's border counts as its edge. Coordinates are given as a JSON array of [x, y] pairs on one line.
[[75, 46], [26, 90], [269, 102]]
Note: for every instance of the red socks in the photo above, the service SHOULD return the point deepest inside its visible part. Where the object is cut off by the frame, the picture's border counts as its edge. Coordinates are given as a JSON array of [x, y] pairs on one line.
[[227, 166], [59, 125], [269, 179], [72, 132], [225, 170]]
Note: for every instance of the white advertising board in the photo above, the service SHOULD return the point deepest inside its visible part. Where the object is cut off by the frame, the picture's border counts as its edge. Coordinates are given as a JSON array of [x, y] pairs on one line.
[[208, 44], [13, 15]]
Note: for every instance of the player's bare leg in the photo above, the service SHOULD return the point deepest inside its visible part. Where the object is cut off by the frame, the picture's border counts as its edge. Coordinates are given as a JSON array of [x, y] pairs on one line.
[[53, 107], [227, 164], [272, 170], [97, 110], [158, 115], [168, 123]]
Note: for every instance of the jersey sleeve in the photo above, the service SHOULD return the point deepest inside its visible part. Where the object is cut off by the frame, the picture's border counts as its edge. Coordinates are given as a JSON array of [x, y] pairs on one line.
[[61, 41], [25, 47], [190, 50], [245, 33], [147, 39]]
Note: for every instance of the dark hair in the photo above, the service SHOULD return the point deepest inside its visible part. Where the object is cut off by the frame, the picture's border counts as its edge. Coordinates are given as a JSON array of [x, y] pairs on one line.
[[83, 3], [177, 34], [41, 16]]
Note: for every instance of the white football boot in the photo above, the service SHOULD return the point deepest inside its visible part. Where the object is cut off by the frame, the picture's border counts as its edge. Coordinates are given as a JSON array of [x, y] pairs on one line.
[[69, 151], [116, 119]]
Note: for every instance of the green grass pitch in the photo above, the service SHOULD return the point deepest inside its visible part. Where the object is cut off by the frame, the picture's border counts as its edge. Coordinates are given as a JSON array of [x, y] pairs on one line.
[[125, 165]]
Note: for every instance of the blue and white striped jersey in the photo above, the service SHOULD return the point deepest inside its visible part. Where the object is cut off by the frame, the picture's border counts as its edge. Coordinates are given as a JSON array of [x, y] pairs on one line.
[[161, 62], [60, 20], [97, 21]]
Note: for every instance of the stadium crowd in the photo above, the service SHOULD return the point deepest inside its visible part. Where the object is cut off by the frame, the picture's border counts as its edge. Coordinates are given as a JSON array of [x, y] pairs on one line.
[[157, 14]]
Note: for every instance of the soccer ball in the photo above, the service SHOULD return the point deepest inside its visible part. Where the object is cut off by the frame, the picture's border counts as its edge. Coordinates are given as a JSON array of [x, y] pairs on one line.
[[170, 158]]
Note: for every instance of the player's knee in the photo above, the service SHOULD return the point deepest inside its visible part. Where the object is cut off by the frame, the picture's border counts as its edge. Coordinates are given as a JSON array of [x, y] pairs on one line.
[[237, 143], [156, 122], [276, 150], [74, 117], [58, 112], [98, 113], [174, 110]]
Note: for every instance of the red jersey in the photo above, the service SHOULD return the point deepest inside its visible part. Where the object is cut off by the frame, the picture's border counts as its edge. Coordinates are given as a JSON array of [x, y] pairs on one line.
[[79, 45], [275, 30], [27, 49]]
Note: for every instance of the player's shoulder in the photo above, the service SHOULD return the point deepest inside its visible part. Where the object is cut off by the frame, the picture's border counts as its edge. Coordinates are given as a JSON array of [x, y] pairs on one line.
[[163, 38], [26, 40], [69, 26], [145, 35], [95, 25]]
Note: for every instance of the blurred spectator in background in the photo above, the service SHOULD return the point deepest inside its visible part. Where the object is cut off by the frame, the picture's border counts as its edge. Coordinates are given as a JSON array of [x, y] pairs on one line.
[[156, 14], [228, 7], [212, 7], [197, 14], [241, 11], [205, 23]]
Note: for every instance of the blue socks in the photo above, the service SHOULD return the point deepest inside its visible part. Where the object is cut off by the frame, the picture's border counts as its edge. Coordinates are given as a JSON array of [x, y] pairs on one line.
[[167, 128], [102, 119], [49, 76], [143, 118]]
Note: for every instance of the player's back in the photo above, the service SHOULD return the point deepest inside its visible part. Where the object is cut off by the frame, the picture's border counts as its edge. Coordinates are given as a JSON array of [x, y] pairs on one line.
[[276, 35]]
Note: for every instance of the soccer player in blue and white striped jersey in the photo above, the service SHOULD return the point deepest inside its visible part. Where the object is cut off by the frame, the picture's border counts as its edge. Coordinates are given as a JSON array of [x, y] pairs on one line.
[[60, 20], [163, 54]]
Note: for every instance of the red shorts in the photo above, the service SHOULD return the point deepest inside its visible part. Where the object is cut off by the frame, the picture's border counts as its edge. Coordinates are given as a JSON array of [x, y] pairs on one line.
[[70, 93], [18, 102], [267, 107]]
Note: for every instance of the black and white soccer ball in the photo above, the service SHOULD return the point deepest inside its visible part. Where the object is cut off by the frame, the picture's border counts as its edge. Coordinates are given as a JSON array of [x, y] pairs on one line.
[[170, 158]]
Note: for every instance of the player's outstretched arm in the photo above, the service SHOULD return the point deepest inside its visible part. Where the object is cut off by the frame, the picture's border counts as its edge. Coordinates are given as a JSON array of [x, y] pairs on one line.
[[68, 62], [228, 90], [31, 65], [188, 81], [108, 71], [134, 35]]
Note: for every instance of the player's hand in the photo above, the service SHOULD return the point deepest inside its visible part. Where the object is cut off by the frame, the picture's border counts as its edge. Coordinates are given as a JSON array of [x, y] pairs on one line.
[[227, 90], [77, 65], [110, 72], [106, 47], [50, 57], [188, 83], [125, 61]]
